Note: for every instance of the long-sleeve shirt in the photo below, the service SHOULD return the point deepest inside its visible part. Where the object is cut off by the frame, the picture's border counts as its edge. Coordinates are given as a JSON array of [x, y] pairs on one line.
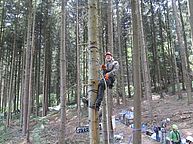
[[112, 67]]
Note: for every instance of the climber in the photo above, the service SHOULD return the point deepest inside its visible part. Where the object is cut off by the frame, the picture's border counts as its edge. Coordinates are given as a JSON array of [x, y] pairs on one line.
[[110, 69]]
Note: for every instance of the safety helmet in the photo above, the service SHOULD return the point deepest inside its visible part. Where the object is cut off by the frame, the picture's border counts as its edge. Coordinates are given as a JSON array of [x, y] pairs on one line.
[[108, 53], [174, 127], [168, 120]]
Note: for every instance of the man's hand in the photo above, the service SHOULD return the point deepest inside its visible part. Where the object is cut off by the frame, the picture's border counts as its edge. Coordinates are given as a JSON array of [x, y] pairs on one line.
[[106, 76], [103, 67]]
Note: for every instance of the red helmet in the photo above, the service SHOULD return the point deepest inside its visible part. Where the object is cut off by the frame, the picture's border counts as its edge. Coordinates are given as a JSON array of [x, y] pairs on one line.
[[108, 53]]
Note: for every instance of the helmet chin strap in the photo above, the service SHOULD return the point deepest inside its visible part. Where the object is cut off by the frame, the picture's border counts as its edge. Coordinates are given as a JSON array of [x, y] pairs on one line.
[[108, 60]]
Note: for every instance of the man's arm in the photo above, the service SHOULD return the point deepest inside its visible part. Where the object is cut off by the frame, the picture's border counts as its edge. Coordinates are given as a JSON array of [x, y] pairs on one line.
[[115, 69]]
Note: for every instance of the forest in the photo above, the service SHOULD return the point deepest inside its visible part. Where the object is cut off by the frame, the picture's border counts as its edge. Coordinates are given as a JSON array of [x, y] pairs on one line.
[[51, 52]]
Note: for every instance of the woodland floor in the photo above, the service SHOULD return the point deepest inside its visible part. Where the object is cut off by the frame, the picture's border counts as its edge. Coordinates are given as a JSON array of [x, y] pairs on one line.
[[45, 131]]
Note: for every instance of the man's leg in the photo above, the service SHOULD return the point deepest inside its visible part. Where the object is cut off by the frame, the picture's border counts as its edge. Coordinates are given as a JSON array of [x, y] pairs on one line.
[[100, 93], [110, 82]]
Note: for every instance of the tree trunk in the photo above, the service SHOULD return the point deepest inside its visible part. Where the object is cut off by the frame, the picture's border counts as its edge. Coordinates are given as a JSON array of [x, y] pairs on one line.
[[182, 53], [137, 74], [109, 91], [190, 8], [104, 120], [1, 28], [38, 64], [184, 36], [47, 61], [93, 69], [164, 69], [63, 74], [169, 48], [122, 87], [127, 68], [31, 75], [11, 81], [156, 66], [177, 82], [78, 62], [145, 66], [27, 69]]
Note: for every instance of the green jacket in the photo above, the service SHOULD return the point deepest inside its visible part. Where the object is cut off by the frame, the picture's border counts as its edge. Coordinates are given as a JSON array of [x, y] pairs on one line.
[[175, 136]]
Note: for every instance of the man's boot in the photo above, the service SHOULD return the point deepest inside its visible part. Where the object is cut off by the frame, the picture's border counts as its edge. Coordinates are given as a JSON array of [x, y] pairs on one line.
[[85, 101], [94, 106]]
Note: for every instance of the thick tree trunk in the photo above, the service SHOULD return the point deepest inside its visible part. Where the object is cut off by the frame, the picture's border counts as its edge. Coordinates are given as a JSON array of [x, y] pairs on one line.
[[31, 75], [93, 69], [38, 64], [137, 71], [63, 73], [47, 61], [27, 69]]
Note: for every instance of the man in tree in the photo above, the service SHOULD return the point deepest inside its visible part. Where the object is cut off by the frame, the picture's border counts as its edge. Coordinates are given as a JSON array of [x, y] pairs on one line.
[[110, 69]]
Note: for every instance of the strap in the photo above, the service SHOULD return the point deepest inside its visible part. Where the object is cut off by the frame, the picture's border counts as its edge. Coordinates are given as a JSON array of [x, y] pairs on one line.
[[177, 135]]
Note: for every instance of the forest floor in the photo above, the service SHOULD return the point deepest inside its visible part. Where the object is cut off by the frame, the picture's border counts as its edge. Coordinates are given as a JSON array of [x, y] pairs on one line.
[[46, 130]]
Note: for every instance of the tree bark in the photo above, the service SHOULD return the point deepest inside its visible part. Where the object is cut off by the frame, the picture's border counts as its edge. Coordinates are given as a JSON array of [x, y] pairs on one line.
[[31, 75], [109, 91], [182, 53], [63, 74], [145, 66], [47, 61], [27, 69], [122, 87], [137, 74], [78, 62], [190, 8], [1, 29], [11, 81], [93, 69]]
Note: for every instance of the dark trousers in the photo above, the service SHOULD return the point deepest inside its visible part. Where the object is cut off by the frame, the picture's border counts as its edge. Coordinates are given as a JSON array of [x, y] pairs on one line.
[[157, 136], [101, 89]]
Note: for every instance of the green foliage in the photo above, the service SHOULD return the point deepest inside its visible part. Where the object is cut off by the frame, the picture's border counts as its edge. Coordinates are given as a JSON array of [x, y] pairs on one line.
[[4, 133], [131, 89], [53, 100], [1, 117], [176, 87], [72, 106], [37, 129], [129, 56]]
